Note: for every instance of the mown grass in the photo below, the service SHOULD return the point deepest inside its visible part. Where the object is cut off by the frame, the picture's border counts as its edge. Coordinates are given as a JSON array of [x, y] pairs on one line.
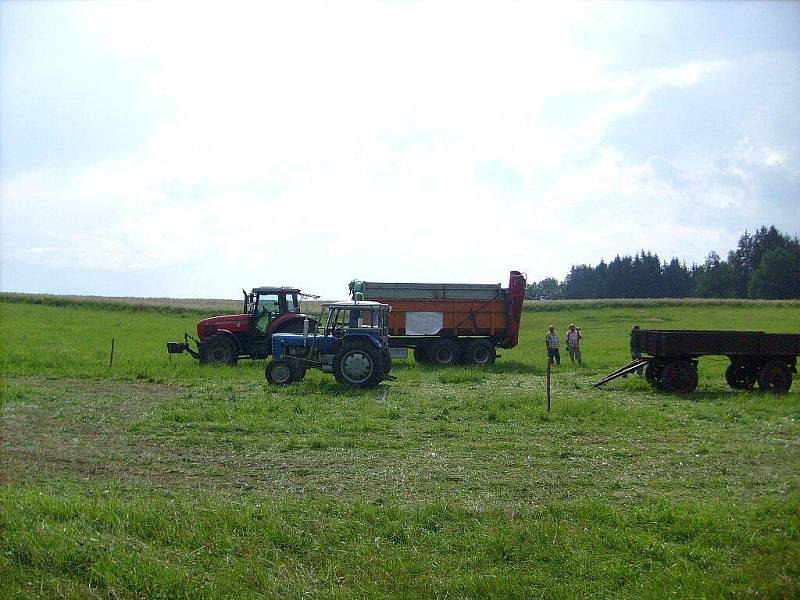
[[113, 541], [167, 479]]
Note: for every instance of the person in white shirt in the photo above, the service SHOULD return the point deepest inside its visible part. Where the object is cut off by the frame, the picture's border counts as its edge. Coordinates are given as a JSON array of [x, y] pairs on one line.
[[574, 343], [551, 341]]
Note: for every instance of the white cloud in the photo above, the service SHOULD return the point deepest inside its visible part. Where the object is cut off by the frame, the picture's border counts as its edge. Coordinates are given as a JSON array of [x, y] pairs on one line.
[[289, 135]]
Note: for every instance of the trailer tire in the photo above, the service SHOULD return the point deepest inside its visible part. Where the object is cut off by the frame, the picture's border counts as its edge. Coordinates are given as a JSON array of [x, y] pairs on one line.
[[652, 373], [359, 366], [775, 377], [679, 376], [219, 350], [421, 355], [741, 376], [479, 352], [279, 372], [444, 352]]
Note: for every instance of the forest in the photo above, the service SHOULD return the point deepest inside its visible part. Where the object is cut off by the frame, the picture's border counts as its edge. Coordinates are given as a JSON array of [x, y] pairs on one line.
[[764, 265]]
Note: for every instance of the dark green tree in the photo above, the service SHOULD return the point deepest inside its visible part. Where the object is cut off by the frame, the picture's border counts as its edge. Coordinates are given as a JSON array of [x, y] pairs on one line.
[[777, 276]]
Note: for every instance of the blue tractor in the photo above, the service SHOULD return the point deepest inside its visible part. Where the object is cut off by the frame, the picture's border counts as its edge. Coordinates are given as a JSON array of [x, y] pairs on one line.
[[353, 344]]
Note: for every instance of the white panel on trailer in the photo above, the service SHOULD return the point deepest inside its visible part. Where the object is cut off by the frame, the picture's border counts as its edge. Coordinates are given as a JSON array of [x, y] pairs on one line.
[[424, 323]]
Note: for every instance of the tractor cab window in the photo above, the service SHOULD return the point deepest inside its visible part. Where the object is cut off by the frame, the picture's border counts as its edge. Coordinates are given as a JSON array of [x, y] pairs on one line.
[[340, 319], [267, 308], [292, 305]]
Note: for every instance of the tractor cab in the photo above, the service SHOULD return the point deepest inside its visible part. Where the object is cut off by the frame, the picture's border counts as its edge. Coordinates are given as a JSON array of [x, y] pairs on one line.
[[367, 318], [263, 304]]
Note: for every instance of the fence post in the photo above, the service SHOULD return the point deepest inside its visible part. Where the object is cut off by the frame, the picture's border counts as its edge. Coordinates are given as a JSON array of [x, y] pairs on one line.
[[111, 360], [548, 385]]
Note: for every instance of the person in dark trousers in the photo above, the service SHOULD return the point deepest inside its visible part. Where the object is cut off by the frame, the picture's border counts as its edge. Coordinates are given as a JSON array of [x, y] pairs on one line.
[[574, 338], [551, 341]]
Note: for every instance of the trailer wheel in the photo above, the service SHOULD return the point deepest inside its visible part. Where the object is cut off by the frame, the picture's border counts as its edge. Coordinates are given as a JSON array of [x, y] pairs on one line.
[[479, 352], [421, 355], [218, 350], [775, 377], [359, 366], [740, 376], [652, 373], [444, 352], [679, 376], [279, 372]]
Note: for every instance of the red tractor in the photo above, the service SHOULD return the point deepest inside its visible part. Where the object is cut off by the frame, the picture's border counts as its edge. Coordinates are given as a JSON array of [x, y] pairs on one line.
[[267, 310]]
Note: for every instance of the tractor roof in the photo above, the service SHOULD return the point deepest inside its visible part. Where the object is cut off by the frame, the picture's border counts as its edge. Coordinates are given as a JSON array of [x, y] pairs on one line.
[[351, 304], [275, 290]]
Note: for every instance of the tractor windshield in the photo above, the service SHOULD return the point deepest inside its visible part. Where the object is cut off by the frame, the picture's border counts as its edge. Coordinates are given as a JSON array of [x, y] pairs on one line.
[[340, 318], [292, 305], [267, 307]]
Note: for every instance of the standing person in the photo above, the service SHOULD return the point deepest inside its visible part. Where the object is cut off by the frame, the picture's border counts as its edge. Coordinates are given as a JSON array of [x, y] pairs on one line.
[[574, 338], [551, 341], [635, 353]]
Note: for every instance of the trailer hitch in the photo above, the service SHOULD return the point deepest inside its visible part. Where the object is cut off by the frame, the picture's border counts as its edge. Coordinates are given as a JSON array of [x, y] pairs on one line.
[[632, 366]]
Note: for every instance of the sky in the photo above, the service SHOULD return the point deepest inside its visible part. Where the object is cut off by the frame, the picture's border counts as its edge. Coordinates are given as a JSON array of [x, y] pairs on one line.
[[170, 149]]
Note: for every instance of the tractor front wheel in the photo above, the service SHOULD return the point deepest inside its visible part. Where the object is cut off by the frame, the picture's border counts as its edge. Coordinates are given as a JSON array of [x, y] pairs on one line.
[[279, 372], [298, 368], [218, 350], [359, 366]]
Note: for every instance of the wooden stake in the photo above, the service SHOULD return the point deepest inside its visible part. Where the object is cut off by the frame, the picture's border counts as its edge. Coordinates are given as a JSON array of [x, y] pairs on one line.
[[111, 360], [548, 386]]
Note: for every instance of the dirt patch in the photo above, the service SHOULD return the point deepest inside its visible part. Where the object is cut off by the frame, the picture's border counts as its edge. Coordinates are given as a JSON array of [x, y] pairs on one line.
[[74, 429], [75, 425]]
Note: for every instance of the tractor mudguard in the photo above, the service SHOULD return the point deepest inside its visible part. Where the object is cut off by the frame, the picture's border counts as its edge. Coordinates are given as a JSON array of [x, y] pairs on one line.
[[374, 341], [286, 320]]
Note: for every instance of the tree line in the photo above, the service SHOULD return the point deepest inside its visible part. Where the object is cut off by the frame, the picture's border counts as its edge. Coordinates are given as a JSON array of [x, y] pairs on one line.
[[765, 264]]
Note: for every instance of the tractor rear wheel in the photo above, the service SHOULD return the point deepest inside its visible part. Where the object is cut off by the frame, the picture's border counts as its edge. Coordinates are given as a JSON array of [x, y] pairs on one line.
[[360, 366], [387, 361], [479, 352], [444, 352], [679, 376], [740, 376], [775, 377], [279, 372], [218, 350]]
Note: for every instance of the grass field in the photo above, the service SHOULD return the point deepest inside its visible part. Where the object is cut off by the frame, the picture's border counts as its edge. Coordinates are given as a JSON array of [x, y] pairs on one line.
[[164, 479]]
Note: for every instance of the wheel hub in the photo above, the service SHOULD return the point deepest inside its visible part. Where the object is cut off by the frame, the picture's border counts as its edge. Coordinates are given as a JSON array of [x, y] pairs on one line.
[[357, 366], [281, 373]]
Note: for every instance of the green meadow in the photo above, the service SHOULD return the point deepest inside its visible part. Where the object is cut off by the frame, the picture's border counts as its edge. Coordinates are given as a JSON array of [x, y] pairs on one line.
[[161, 478]]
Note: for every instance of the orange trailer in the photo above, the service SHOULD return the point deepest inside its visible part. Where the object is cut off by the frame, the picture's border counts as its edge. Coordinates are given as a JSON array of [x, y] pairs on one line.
[[450, 323]]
